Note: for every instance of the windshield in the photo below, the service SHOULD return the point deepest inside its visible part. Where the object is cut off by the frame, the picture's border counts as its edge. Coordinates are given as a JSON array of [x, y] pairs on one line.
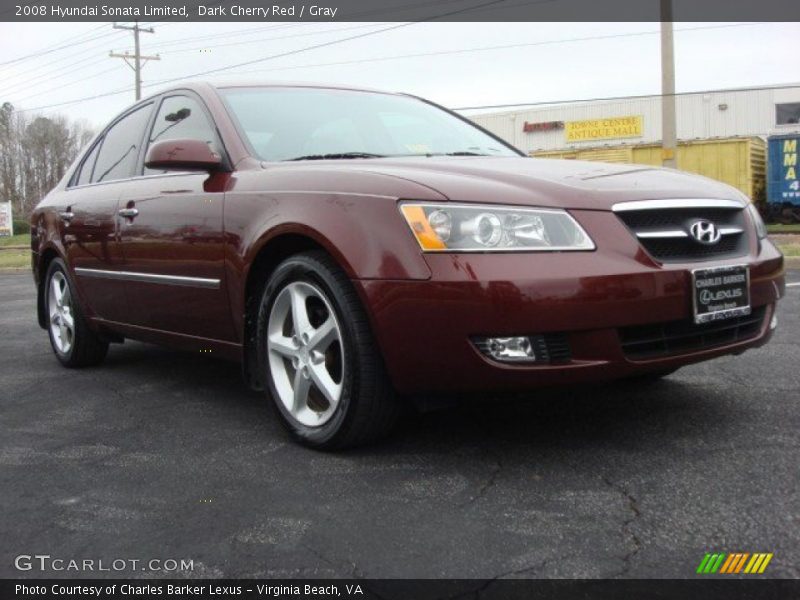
[[315, 123]]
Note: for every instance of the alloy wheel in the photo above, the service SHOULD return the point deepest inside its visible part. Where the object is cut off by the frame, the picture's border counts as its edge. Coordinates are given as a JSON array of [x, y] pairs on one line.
[[62, 319], [306, 353]]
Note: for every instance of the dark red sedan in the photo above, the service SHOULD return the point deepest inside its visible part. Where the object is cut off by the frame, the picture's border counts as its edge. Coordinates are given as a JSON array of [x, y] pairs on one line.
[[354, 249]]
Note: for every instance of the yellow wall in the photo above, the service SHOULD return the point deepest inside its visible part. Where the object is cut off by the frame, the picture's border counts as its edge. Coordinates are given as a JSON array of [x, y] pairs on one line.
[[739, 162]]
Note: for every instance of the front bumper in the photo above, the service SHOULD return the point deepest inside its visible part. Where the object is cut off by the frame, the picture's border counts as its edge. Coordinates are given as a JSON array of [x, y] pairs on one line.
[[424, 328]]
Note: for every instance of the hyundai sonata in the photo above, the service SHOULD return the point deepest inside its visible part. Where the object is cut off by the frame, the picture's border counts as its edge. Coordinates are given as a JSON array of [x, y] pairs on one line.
[[354, 249]]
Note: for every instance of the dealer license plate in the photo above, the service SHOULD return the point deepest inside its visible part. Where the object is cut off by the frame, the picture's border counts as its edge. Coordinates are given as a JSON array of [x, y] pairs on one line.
[[720, 293]]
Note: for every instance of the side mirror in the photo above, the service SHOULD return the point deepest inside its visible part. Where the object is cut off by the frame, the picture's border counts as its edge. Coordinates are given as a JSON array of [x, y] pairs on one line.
[[182, 155]]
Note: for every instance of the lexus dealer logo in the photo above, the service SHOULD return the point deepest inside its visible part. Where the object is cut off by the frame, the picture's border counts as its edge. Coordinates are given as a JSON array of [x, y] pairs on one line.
[[707, 296], [705, 232]]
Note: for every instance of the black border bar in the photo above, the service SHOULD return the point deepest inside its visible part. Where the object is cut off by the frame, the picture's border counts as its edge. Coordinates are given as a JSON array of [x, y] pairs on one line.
[[396, 10], [710, 588]]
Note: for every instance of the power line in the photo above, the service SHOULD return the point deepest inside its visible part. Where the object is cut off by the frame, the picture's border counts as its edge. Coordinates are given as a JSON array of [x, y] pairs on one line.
[[225, 35], [50, 49], [271, 39], [783, 86], [288, 53], [69, 83], [129, 56], [362, 13], [486, 48], [76, 40], [59, 73], [53, 71], [329, 43], [79, 65], [45, 52], [377, 12], [93, 62], [95, 97]]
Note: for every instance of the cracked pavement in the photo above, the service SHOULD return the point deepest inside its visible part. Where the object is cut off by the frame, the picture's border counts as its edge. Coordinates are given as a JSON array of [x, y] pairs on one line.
[[164, 454]]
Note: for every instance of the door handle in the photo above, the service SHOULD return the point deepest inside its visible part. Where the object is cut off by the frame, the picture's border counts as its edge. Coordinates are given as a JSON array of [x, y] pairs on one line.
[[128, 213], [66, 215]]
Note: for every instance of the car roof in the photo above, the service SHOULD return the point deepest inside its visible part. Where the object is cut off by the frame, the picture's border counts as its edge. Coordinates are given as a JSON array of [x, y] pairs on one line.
[[200, 86]]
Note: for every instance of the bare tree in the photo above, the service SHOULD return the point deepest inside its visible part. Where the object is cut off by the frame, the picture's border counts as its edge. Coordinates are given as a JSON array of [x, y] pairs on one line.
[[35, 152], [9, 155]]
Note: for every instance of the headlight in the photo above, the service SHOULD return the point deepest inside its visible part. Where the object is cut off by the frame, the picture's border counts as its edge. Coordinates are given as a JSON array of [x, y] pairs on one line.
[[492, 228], [761, 229]]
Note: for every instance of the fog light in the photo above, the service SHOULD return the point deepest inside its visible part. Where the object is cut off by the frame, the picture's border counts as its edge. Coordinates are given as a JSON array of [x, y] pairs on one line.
[[774, 322], [508, 349]]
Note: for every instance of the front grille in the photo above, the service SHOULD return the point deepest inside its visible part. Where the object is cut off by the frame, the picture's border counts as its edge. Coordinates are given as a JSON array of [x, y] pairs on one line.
[[664, 232], [552, 347], [641, 342], [680, 249]]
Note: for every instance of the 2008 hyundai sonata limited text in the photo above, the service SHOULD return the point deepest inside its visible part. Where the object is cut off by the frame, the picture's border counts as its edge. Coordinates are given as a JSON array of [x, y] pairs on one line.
[[356, 249]]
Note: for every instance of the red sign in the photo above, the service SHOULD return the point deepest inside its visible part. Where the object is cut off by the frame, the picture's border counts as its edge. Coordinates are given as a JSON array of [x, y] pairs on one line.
[[545, 126]]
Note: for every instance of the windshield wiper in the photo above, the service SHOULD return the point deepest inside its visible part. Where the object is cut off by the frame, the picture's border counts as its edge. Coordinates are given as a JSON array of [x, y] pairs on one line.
[[465, 153], [339, 155], [459, 153]]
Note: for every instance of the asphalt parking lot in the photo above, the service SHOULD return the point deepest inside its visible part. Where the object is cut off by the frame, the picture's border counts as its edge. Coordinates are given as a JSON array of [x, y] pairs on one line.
[[163, 454]]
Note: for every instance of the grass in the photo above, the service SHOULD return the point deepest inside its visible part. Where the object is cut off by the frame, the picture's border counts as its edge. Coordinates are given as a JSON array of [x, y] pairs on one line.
[[23, 239], [790, 249], [15, 259], [781, 228]]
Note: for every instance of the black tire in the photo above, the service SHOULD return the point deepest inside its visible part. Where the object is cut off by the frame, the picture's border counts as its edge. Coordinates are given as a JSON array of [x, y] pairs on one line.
[[87, 348], [368, 408]]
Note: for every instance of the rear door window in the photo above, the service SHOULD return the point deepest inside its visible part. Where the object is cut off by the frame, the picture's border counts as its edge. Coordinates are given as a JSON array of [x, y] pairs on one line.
[[119, 151], [85, 175]]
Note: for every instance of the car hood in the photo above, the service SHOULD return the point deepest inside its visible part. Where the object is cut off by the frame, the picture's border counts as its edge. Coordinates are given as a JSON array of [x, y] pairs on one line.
[[542, 182]]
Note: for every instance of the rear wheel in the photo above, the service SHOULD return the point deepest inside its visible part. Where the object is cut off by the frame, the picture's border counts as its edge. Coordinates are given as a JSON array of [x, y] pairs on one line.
[[323, 370], [74, 344]]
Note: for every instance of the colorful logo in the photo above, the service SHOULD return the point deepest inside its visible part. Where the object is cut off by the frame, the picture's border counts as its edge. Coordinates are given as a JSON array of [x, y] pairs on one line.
[[736, 562]]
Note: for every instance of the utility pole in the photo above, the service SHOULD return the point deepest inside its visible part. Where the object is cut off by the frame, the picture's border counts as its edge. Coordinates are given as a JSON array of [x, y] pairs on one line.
[[136, 56], [669, 135]]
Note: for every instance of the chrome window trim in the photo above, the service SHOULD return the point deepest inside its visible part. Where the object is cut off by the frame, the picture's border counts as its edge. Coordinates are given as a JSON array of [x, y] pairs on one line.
[[137, 178], [198, 282], [676, 203]]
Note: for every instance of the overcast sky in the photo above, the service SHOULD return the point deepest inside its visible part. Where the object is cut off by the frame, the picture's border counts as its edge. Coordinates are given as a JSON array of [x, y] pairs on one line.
[[547, 67]]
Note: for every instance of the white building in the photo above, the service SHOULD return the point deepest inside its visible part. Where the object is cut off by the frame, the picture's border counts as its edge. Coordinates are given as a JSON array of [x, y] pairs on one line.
[[719, 114]]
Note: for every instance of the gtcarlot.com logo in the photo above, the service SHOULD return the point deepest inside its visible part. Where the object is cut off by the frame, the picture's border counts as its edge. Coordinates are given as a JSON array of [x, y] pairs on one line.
[[734, 563], [45, 562]]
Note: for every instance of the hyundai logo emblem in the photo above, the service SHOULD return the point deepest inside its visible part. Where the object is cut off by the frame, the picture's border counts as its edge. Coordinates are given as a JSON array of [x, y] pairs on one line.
[[705, 232]]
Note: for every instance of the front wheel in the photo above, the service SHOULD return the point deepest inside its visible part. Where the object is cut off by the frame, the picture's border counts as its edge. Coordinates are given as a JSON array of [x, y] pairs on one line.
[[324, 373], [73, 342]]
